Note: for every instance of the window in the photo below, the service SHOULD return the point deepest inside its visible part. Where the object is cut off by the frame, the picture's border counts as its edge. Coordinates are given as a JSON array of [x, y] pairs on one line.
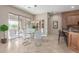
[[13, 26], [18, 26]]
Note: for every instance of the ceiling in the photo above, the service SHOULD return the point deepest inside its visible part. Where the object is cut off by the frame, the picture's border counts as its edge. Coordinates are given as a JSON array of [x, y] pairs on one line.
[[38, 9]]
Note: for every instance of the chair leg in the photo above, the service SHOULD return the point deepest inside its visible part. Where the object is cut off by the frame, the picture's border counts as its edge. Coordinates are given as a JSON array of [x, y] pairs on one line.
[[66, 40], [59, 39]]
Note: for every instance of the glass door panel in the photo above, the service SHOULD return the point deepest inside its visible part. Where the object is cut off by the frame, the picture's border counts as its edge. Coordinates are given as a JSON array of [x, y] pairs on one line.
[[13, 26]]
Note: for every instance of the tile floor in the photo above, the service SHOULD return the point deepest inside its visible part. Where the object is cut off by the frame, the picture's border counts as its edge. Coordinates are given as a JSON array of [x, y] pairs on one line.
[[48, 45]]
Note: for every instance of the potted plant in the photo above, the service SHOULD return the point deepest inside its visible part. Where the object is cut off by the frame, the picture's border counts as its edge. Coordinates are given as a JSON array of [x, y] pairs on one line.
[[3, 28], [33, 28]]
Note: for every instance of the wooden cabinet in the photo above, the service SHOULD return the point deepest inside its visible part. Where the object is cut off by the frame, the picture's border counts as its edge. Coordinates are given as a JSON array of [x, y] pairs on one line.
[[73, 41], [70, 18]]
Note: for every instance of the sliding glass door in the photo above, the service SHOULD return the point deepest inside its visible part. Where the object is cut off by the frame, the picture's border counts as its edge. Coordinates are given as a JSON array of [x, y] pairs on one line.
[[24, 25], [13, 26], [18, 26]]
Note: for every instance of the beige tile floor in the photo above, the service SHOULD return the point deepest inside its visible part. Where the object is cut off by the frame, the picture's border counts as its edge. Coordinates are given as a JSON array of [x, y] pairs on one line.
[[48, 45]]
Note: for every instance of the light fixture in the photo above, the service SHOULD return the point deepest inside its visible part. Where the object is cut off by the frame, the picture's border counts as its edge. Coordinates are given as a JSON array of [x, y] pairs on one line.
[[35, 5], [72, 7], [29, 7], [32, 6]]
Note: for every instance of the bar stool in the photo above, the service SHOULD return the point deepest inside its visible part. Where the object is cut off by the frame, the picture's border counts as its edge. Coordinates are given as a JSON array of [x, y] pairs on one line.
[[62, 34]]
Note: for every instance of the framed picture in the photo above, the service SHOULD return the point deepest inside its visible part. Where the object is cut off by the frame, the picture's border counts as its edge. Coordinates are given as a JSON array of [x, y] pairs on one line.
[[55, 24]]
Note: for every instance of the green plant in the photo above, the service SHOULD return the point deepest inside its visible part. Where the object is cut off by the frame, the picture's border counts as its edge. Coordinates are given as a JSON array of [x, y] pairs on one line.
[[33, 27], [3, 28]]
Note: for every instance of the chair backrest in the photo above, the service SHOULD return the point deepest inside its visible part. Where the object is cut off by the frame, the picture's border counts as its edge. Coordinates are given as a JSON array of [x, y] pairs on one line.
[[60, 32]]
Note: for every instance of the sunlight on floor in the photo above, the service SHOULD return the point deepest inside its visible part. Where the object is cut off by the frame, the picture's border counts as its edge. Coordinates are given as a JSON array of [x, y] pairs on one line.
[[48, 45]]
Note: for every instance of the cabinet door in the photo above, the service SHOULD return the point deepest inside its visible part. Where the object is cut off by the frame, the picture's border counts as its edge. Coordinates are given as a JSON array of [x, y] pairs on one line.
[[71, 20], [77, 19], [73, 41], [78, 43]]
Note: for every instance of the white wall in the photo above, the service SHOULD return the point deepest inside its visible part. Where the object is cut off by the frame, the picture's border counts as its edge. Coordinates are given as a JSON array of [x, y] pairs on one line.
[[56, 17], [3, 18]]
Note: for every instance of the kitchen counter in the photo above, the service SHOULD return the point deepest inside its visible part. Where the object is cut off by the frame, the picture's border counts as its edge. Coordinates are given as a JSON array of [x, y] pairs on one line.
[[73, 41]]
